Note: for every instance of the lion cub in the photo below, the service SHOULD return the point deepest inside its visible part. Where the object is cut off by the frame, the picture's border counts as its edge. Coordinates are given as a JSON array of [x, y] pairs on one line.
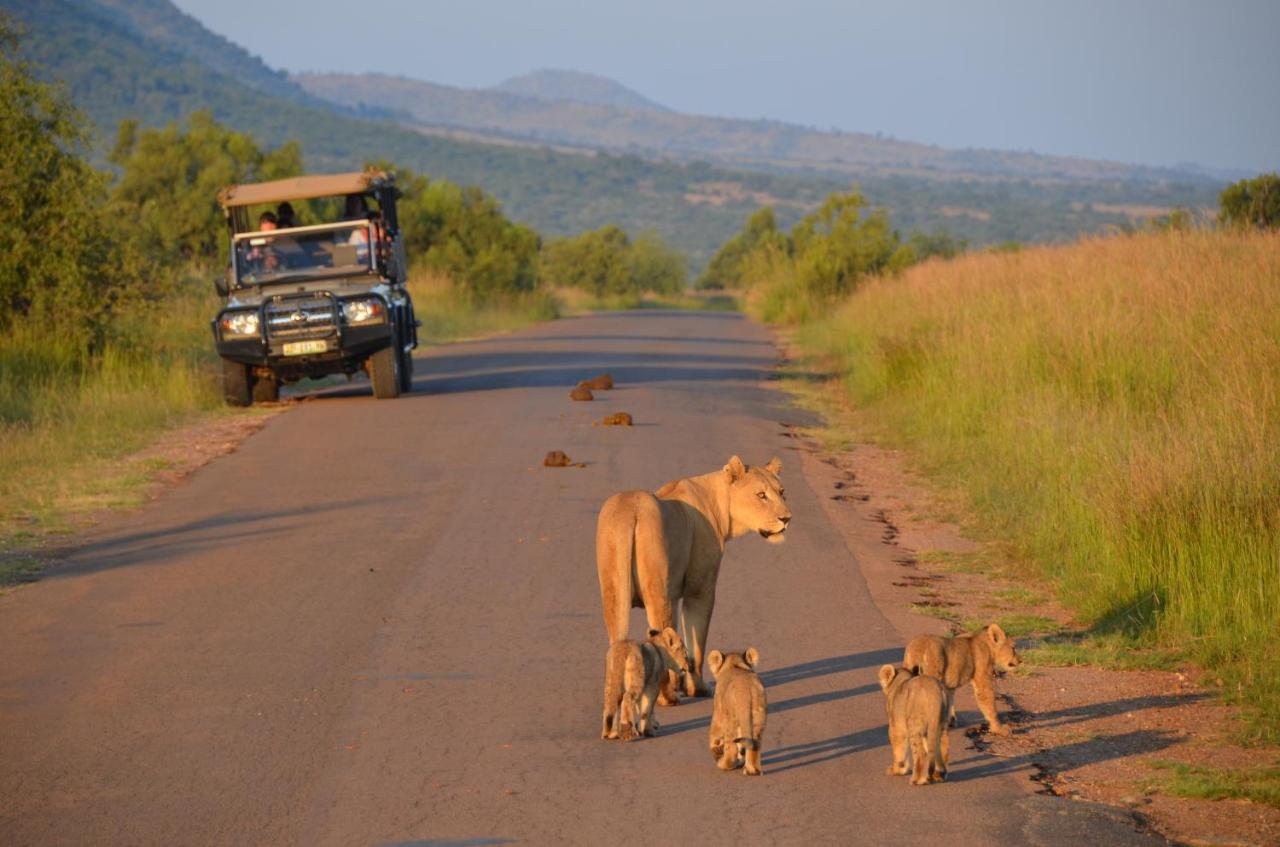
[[917, 707], [958, 660], [634, 671], [738, 711]]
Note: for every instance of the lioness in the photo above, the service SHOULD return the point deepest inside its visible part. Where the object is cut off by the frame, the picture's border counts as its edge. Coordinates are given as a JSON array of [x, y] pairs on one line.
[[633, 673], [657, 550], [958, 660], [738, 713], [917, 709]]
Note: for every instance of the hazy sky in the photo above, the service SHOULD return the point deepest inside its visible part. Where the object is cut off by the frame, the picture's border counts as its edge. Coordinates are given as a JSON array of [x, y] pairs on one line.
[[1132, 80]]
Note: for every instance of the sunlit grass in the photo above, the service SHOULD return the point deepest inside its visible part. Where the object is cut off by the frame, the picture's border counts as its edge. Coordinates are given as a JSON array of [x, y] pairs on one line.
[[1112, 408], [1256, 784]]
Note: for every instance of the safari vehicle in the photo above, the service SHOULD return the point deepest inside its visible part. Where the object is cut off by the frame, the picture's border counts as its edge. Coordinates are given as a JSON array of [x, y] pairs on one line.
[[316, 299]]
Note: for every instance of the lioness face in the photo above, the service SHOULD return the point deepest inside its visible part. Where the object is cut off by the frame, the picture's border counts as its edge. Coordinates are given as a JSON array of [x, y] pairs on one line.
[[757, 501]]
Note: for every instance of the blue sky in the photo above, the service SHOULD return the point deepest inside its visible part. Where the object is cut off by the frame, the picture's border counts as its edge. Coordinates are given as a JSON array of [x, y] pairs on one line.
[[1141, 81]]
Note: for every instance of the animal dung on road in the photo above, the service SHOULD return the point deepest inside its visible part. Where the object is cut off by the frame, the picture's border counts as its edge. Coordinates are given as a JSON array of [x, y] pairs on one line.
[[616, 419], [559, 459], [600, 382], [582, 392]]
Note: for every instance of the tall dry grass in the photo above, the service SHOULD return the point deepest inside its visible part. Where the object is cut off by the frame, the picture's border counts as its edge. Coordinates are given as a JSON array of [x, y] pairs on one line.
[[65, 413], [1113, 408]]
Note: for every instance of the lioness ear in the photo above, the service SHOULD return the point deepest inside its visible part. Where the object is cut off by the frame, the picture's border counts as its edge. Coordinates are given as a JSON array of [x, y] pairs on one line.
[[886, 675], [774, 466], [715, 659], [995, 633], [752, 656], [735, 469]]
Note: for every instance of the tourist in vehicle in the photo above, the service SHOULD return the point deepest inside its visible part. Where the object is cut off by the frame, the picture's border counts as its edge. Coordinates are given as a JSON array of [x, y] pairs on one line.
[[285, 218]]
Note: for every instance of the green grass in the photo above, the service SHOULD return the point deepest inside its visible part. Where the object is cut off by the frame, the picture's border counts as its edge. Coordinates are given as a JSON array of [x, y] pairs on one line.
[[1016, 626], [18, 569], [1111, 409], [1113, 651], [1018, 595], [1256, 784]]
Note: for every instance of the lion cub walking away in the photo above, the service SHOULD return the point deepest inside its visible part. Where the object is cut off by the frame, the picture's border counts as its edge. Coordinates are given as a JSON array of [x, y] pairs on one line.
[[581, 392], [962, 659], [917, 708], [738, 712], [560, 459], [616, 419], [634, 671], [600, 382]]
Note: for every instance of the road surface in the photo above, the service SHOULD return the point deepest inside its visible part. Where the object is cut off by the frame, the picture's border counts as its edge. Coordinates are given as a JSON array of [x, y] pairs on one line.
[[378, 623]]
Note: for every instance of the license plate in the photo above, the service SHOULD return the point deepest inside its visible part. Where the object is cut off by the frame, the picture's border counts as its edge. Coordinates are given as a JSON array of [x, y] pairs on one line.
[[302, 348]]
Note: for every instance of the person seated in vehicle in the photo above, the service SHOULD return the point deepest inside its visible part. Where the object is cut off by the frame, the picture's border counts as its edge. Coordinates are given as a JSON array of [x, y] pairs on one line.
[[357, 209], [285, 217], [264, 254]]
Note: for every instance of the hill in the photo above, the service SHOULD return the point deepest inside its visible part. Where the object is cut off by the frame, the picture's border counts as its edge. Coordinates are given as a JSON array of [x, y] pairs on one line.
[[114, 69], [548, 106], [577, 87]]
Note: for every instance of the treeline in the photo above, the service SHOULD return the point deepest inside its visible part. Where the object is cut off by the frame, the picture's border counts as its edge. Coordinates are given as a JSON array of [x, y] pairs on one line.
[[790, 276]]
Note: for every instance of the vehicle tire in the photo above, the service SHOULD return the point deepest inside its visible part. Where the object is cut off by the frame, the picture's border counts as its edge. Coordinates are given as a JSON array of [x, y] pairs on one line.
[[406, 371], [266, 389], [384, 372], [236, 383]]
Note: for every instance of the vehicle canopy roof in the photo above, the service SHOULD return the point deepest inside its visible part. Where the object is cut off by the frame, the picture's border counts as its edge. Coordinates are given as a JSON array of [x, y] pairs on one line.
[[304, 188]]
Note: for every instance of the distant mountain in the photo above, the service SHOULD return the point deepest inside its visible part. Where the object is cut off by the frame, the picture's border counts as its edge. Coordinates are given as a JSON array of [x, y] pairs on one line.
[[112, 68], [577, 87], [163, 23], [539, 107]]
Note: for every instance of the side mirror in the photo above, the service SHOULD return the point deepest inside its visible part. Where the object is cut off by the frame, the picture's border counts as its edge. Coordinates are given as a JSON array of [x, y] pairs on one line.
[[221, 283]]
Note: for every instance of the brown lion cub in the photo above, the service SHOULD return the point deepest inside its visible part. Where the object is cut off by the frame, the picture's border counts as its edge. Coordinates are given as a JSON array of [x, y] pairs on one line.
[[738, 712], [634, 671], [917, 707], [965, 658]]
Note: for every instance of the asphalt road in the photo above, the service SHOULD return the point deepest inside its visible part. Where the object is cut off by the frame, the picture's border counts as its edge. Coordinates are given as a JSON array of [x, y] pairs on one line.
[[378, 623]]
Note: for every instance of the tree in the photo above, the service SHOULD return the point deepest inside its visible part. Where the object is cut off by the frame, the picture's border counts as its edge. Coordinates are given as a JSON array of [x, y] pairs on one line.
[[653, 266], [463, 234], [170, 180], [728, 264], [1251, 202], [837, 245], [594, 261], [60, 261]]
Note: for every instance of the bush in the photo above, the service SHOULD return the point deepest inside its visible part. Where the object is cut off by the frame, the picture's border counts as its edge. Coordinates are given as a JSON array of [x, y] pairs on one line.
[[1251, 202]]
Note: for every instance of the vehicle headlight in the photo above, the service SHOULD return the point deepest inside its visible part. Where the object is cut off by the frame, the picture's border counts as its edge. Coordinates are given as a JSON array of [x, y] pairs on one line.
[[239, 323], [357, 312]]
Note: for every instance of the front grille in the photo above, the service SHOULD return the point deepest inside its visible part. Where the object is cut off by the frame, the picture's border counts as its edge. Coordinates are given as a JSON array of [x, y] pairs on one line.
[[301, 316]]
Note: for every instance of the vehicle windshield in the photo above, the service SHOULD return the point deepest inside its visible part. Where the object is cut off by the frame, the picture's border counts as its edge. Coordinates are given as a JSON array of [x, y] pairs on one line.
[[279, 255]]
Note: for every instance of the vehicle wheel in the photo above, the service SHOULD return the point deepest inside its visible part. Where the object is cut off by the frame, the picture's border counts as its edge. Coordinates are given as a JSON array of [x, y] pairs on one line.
[[406, 371], [266, 389], [384, 373], [235, 384]]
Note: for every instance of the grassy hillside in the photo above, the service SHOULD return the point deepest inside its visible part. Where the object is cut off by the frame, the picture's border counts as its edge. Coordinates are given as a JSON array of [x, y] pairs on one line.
[[550, 109], [555, 84], [1113, 408]]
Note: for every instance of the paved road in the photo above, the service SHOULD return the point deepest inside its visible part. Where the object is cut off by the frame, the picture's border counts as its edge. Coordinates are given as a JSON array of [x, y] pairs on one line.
[[378, 623]]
